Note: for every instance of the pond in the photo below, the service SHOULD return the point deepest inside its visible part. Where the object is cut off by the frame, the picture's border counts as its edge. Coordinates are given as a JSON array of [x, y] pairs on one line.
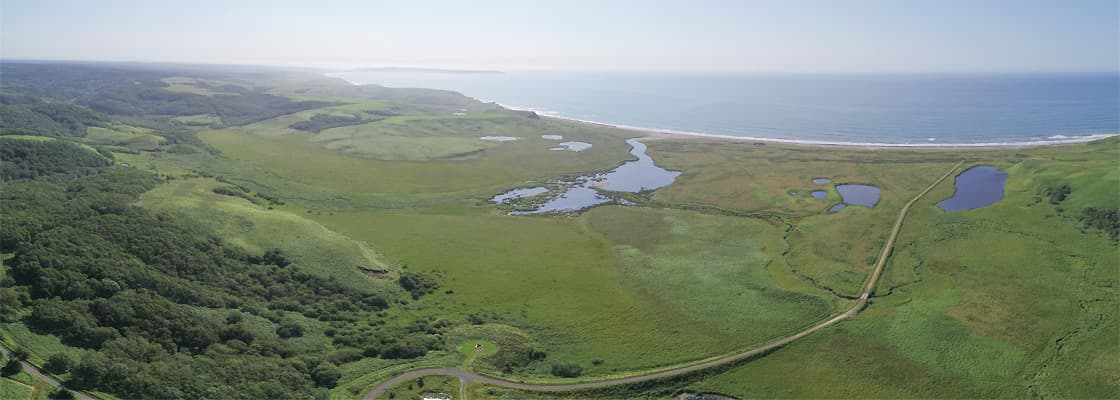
[[858, 195], [819, 194], [552, 137], [977, 187], [821, 181], [499, 138], [838, 207], [573, 146], [518, 193], [632, 176]]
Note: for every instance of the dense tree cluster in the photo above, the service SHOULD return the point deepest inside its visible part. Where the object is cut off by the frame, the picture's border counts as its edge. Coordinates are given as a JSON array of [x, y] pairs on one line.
[[26, 115], [138, 92], [162, 307], [418, 284], [24, 159], [1106, 220]]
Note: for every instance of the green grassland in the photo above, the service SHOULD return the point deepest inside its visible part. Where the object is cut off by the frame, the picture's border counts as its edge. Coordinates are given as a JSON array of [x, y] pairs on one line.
[[10, 389], [638, 288], [446, 387], [23, 386], [198, 119], [123, 135], [1012, 300], [258, 228]]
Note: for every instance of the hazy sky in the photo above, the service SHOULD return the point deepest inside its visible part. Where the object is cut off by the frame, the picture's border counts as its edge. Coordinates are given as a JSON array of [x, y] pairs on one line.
[[755, 36]]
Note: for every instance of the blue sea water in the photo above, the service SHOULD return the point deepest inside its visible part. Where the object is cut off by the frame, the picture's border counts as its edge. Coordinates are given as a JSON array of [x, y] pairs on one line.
[[882, 109]]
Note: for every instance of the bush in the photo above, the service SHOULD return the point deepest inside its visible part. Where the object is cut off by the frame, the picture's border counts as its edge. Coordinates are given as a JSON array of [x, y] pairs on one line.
[[61, 394], [566, 369], [1107, 220], [21, 353], [11, 368], [1058, 194], [326, 375], [58, 363], [289, 330]]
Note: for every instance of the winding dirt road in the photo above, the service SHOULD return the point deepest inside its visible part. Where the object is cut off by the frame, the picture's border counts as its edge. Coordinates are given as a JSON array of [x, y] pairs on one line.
[[468, 377]]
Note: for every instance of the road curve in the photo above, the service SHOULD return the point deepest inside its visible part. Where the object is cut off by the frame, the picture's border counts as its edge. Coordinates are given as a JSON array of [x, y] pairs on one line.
[[33, 371], [467, 377]]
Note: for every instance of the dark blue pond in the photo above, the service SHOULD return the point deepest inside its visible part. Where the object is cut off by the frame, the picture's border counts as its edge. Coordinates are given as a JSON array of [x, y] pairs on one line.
[[858, 195], [977, 187]]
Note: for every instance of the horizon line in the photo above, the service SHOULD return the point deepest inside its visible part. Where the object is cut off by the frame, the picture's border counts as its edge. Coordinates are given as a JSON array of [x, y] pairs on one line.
[[344, 67]]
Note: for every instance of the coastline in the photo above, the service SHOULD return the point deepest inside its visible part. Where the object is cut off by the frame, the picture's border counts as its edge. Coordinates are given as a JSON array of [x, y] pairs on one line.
[[670, 134], [659, 134]]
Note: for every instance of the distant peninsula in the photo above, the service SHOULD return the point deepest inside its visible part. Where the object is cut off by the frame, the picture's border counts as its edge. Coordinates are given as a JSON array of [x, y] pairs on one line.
[[426, 70]]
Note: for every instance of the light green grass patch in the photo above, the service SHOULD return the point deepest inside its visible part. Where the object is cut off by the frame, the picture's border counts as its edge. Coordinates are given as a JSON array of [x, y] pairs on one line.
[[477, 348], [123, 135], [198, 119], [40, 346], [257, 229], [13, 390], [181, 84]]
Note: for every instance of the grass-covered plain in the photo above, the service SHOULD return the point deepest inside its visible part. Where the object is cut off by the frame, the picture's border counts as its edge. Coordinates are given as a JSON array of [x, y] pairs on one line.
[[1012, 300], [633, 289]]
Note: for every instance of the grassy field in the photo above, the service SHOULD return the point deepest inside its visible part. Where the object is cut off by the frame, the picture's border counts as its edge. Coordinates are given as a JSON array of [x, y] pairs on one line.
[[22, 386], [1011, 300], [123, 135], [260, 227], [442, 387]]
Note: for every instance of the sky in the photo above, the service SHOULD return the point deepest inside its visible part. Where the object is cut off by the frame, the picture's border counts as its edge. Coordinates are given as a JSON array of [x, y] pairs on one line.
[[838, 36]]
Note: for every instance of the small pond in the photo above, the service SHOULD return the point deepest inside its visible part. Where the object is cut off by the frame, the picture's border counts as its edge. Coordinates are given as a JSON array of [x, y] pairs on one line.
[[552, 137], [821, 181], [631, 176], [573, 146], [518, 193], [838, 207], [977, 187], [499, 138], [858, 195], [793, 193], [819, 194]]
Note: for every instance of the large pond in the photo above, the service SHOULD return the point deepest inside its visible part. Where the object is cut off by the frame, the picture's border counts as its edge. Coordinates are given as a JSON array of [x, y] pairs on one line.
[[632, 176], [858, 195], [977, 187]]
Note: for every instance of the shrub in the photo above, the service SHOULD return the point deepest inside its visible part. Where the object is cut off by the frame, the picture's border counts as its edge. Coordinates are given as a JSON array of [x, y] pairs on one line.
[[289, 330], [11, 368], [566, 369], [58, 363]]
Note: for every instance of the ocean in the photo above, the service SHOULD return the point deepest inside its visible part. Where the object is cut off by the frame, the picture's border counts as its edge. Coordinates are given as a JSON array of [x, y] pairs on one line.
[[905, 110]]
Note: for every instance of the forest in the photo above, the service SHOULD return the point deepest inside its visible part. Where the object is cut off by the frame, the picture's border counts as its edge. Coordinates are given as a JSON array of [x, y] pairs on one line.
[[162, 309]]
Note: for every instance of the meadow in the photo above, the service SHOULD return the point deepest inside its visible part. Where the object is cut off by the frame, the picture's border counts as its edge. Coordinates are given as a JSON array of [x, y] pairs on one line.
[[372, 184], [634, 289]]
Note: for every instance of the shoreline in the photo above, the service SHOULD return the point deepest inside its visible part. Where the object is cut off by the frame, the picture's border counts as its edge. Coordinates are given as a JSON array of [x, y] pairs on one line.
[[658, 133]]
